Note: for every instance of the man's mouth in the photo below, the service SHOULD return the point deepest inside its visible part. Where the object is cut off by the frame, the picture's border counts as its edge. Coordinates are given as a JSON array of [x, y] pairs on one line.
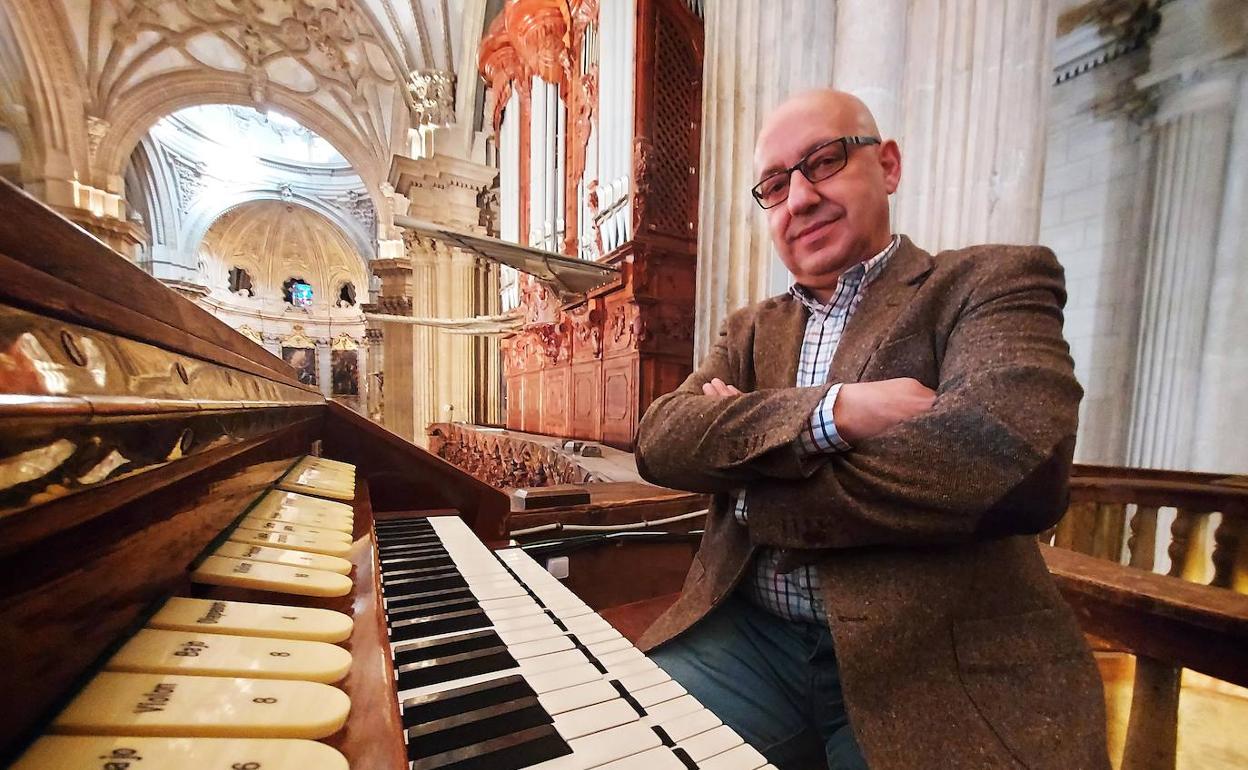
[[816, 229]]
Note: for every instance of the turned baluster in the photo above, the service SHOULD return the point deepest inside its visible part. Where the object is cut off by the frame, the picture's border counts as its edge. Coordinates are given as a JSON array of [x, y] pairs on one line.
[[1230, 550], [1076, 530], [1152, 730], [1107, 531], [1142, 545]]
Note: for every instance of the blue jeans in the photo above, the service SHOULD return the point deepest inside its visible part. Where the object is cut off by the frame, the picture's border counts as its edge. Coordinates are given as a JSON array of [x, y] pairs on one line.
[[776, 683]]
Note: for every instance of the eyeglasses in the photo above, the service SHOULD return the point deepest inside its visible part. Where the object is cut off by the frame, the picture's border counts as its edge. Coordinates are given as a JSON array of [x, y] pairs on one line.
[[820, 163]]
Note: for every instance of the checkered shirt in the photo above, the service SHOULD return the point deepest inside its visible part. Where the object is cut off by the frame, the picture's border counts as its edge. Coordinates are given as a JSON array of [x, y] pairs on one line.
[[795, 595]]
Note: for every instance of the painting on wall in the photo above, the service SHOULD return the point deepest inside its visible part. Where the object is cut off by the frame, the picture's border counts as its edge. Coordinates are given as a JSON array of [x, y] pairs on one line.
[[304, 362], [344, 369]]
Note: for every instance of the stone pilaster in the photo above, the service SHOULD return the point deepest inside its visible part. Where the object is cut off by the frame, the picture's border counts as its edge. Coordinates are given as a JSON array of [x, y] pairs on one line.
[[1192, 137], [1221, 420]]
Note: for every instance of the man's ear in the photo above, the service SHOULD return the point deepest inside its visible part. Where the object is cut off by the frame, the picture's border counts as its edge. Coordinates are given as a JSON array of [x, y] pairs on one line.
[[890, 164]]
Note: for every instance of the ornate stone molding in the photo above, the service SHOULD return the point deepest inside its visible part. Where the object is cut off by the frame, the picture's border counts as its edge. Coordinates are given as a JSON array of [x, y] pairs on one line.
[[1102, 33], [297, 339], [433, 97]]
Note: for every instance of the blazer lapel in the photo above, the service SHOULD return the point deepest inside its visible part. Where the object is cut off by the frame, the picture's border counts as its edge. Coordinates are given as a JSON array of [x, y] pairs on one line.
[[875, 315], [778, 331]]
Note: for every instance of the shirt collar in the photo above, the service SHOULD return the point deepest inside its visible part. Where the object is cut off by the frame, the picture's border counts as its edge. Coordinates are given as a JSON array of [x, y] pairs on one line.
[[852, 280]]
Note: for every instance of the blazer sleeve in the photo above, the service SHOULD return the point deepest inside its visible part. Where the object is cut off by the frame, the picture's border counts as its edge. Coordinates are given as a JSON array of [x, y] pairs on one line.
[[991, 457], [691, 441]]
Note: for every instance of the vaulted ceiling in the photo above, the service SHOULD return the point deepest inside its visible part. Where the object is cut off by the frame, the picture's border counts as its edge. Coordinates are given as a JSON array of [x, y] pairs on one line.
[[343, 68]]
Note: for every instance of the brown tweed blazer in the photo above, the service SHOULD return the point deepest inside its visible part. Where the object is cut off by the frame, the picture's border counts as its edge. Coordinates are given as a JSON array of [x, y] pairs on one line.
[[955, 648]]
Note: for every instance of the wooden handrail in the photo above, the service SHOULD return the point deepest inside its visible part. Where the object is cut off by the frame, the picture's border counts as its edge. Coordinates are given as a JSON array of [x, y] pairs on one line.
[[1165, 618], [1194, 497]]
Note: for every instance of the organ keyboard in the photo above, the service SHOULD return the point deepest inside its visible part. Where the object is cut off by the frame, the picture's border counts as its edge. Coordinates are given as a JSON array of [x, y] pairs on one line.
[[496, 665]]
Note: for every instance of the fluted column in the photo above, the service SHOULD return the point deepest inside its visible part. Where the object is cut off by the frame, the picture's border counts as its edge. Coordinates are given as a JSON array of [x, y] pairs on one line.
[[866, 62], [973, 128], [445, 370], [427, 365], [1192, 134], [755, 56], [1222, 422]]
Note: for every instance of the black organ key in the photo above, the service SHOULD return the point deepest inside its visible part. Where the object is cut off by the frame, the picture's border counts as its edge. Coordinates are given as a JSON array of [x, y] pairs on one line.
[[443, 660], [456, 604], [429, 708], [496, 724], [444, 623]]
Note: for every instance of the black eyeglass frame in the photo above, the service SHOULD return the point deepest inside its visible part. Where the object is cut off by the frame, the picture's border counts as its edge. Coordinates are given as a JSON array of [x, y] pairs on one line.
[[844, 141]]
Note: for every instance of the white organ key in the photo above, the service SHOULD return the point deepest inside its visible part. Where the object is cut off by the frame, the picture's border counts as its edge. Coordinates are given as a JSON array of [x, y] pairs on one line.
[[552, 662], [596, 637], [605, 648], [641, 681], [715, 741], [743, 757], [677, 707], [660, 758], [563, 678], [539, 647], [512, 637], [660, 693], [602, 747], [579, 696], [592, 719], [688, 725]]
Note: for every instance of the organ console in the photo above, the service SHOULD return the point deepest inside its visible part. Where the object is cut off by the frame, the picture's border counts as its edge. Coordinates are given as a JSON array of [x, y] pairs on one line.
[[204, 564]]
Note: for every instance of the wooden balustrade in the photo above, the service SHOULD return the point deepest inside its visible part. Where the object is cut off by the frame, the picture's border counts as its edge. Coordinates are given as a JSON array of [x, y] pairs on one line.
[[1192, 617], [505, 460]]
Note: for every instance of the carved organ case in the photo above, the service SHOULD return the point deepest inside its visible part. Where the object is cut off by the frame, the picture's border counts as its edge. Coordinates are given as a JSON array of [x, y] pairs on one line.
[[597, 107]]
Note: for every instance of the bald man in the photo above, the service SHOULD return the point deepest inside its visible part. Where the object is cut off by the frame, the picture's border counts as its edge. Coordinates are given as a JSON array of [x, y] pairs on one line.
[[883, 443]]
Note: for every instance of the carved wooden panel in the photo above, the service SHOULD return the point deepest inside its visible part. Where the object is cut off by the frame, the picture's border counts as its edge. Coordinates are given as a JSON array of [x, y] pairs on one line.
[[666, 144], [515, 401], [587, 400], [531, 406], [621, 331], [554, 417], [619, 401]]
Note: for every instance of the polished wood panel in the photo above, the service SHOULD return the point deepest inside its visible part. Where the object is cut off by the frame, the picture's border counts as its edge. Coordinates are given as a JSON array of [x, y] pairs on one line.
[[57, 267]]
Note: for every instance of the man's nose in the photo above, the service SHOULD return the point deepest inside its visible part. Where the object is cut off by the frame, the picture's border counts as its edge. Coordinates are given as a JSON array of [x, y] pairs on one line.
[[802, 193]]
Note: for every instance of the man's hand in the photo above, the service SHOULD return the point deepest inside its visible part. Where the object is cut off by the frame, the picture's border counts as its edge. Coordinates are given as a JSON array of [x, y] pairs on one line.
[[866, 409], [717, 388]]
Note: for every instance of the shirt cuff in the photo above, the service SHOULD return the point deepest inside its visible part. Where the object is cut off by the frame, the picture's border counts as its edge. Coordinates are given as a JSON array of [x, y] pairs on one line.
[[819, 435]]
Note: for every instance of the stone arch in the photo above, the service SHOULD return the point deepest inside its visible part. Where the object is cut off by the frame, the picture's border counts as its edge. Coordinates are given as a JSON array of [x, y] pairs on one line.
[[164, 95], [200, 219], [44, 75]]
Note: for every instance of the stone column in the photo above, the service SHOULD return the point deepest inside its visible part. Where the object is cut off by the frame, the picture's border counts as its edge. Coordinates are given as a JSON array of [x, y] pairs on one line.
[[397, 342], [1192, 133], [324, 374], [489, 390], [755, 56], [369, 387], [442, 369], [866, 63], [1222, 420], [977, 76]]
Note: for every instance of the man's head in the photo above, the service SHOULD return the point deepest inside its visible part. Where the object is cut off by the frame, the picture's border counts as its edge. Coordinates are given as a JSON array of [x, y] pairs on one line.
[[823, 228]]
